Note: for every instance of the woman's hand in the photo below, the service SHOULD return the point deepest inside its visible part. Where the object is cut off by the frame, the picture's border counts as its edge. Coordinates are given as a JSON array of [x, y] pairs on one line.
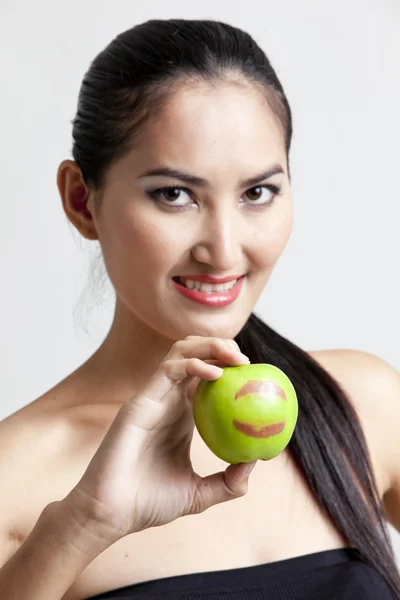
[[141, 475]]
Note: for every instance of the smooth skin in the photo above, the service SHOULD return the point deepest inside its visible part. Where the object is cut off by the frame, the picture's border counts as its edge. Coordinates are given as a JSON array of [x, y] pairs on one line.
[[223, 134]]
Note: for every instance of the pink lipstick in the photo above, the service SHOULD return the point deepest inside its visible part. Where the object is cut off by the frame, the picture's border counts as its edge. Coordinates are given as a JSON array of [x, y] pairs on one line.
[[216, 299]]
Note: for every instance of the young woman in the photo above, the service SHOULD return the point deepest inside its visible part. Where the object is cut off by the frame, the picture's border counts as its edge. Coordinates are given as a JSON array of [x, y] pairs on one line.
[[181, 170]]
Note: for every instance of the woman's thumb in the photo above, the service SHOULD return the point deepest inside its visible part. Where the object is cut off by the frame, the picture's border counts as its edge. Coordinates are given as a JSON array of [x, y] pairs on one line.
[[221, 487]]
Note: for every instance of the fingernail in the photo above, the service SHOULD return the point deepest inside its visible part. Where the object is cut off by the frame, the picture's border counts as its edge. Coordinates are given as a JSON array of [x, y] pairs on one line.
[[249, 468], [216, 370]]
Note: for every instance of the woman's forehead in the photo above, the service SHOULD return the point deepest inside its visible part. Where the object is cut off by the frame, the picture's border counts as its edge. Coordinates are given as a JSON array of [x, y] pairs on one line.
[[227, 108], [214, 122]]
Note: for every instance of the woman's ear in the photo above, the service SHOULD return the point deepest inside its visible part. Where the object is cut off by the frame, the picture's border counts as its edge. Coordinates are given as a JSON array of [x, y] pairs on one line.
[[76, 196]]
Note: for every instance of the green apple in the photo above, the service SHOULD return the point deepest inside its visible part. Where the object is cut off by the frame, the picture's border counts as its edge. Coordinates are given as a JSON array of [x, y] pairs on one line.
[[248, 414]]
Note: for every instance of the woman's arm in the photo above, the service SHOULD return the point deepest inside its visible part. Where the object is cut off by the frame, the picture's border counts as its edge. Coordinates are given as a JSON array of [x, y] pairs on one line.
[[58, 549]]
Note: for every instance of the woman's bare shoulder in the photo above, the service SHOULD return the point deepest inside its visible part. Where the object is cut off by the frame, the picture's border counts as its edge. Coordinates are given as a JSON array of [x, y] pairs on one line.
[[373, 387], [52, 427], [31, 439], [58, 414], [37, 423], [34, 436], [44, 449]]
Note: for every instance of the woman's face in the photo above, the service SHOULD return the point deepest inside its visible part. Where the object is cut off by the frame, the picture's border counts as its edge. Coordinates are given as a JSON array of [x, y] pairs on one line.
[[217, 224]]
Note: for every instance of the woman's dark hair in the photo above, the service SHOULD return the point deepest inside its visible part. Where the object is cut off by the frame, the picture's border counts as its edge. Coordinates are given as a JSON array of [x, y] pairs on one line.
[[125, 86]]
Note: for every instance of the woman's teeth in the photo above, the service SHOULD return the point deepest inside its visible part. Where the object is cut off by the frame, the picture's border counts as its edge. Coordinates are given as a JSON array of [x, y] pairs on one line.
[[208, 287]]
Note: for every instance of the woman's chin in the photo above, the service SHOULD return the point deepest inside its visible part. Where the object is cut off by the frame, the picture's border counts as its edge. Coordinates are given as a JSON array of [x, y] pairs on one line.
[[223, 326]]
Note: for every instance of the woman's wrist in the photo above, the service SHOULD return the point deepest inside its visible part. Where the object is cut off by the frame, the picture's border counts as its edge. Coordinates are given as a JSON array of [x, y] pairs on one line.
[[77, 530]]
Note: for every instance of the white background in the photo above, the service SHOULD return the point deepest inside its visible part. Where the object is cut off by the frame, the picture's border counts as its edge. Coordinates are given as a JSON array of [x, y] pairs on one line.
[[336, 285]]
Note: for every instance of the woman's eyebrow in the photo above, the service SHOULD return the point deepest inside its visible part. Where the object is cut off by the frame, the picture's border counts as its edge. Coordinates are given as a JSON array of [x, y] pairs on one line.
[[200, 182]]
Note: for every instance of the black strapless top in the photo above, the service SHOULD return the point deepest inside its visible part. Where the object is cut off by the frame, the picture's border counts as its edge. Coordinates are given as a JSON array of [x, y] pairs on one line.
[[328, 575]]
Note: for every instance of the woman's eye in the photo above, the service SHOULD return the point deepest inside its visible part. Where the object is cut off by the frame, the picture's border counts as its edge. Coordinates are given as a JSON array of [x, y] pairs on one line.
[[262, 194], [169, 195]]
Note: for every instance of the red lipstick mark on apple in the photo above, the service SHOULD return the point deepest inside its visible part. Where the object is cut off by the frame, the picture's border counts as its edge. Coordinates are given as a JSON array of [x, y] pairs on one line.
[[258, 386], [264, 432]]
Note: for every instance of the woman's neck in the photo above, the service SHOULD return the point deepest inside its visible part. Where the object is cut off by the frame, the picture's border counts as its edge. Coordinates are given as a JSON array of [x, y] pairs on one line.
[[129, 355]]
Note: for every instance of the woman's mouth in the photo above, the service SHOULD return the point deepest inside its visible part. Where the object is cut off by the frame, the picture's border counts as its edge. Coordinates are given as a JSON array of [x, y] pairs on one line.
[[210, 294]]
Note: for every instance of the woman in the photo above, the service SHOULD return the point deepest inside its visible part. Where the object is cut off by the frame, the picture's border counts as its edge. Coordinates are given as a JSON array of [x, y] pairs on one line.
[[181, 171]]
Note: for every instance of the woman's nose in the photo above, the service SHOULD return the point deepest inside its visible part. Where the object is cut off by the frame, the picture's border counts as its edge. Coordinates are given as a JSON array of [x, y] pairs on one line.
[[220, 242]]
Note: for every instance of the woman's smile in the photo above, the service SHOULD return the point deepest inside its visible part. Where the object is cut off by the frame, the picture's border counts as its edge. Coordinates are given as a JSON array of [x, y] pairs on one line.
[[203, 293]]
